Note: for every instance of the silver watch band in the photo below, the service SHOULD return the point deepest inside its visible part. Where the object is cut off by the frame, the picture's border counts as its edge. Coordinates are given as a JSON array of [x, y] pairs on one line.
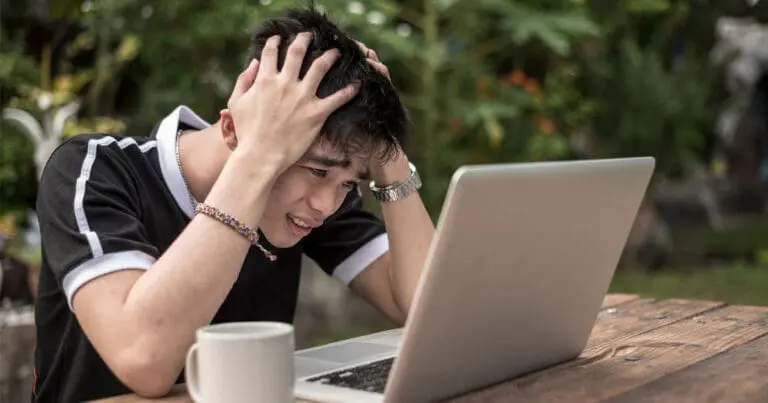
[[397, 190]]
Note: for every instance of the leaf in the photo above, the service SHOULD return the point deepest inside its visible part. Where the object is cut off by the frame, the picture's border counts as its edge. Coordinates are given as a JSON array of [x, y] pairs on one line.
[[81, 79], [555, 41], [492, 127], [556, 29], [128, 49], [473, 112], [84, 41]]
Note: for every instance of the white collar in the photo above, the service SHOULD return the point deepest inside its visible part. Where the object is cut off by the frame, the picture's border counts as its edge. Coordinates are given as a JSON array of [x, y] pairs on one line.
[[166, 149]]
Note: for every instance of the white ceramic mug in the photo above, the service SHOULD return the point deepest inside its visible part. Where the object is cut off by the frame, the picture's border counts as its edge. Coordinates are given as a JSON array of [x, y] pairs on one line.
[[242, 362]]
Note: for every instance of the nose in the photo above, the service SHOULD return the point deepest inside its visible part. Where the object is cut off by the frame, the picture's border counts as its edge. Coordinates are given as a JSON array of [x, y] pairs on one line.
[[323, 200]]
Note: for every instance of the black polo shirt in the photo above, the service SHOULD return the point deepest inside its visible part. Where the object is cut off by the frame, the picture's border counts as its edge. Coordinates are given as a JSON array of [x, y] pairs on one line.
[[107, 203]]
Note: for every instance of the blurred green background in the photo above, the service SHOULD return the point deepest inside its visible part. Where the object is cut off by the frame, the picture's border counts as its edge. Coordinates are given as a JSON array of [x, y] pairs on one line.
[[484, 80]]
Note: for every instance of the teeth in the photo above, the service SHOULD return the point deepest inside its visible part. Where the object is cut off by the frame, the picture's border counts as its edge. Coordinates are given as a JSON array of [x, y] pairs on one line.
[[299, 222]]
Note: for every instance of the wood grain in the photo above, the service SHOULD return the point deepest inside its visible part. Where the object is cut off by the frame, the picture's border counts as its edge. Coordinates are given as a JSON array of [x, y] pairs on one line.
[[736, 376], [625, 321], [611, 300], [646, 357], [614, 325], [642, 350]]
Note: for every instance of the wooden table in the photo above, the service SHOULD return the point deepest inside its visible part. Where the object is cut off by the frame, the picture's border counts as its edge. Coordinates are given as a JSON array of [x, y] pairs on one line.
[[644, 350]]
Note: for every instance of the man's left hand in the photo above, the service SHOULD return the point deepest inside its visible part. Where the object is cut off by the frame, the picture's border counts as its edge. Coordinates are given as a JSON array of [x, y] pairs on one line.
[[373, 59], [397, 169]]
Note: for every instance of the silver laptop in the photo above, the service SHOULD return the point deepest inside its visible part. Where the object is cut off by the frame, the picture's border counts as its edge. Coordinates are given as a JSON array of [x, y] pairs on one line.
[[514, 279]]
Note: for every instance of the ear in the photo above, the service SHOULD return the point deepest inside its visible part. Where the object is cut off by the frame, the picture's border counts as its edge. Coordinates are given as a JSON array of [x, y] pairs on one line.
[[228, 129]]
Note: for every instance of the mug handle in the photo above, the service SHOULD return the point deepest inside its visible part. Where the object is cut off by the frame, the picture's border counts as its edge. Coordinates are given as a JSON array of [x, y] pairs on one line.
[[190, 373]]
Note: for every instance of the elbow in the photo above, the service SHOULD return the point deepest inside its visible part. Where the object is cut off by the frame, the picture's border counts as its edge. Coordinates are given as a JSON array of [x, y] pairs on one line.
[[145, 374], [399, 317], [403, 310], [401, 320]]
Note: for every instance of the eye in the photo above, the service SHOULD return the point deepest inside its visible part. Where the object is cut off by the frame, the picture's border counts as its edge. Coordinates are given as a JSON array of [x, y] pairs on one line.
[[350, 185], [320, 173]]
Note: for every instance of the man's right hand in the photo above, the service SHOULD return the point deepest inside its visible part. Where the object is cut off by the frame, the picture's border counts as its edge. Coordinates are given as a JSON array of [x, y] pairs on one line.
[[280, 114]]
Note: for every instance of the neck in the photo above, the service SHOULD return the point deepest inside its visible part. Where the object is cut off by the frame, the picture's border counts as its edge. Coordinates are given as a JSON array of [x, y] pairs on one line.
[[199, 165]]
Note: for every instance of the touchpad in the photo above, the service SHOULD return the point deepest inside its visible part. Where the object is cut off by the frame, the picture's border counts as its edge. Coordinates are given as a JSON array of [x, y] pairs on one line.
[[347, 352]]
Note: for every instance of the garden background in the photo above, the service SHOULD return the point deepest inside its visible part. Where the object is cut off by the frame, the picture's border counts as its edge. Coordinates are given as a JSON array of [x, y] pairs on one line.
[[485, 81]]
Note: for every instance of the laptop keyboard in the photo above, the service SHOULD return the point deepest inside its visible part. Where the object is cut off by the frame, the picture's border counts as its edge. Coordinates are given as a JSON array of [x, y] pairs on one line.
[[371, 377]]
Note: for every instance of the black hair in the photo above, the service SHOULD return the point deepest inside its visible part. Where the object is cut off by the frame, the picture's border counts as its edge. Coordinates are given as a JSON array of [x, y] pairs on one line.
[[374, 122]]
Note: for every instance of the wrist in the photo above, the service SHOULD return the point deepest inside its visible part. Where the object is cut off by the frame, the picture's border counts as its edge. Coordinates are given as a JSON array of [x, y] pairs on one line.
[[398, 185], [252, 163], [243, 187], [395, 171]]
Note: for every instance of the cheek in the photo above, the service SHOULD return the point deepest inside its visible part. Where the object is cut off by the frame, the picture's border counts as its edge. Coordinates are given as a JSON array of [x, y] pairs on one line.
[[287, 190]]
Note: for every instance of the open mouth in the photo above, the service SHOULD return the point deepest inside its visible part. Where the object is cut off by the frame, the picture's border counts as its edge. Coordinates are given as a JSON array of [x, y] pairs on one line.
[[298, 226]]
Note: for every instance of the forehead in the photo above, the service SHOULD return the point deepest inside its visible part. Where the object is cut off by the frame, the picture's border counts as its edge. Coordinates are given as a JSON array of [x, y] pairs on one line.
[[327, 150]]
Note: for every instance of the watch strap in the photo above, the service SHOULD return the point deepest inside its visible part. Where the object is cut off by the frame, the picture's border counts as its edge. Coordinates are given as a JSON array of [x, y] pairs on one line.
[[398, 190]]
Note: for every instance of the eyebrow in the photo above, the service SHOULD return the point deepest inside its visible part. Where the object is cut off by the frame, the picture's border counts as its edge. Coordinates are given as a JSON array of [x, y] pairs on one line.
[[331, 162]]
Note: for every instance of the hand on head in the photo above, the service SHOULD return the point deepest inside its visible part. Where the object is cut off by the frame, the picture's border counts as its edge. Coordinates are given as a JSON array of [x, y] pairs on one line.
[[373, 59], [275, 110]]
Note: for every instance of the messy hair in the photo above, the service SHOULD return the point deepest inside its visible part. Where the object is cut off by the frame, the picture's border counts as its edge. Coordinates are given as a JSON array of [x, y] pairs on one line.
[[374, 122]]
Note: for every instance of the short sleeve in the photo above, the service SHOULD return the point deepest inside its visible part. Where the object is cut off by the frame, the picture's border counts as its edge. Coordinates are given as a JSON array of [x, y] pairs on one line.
[[348, 241], [89, 213]]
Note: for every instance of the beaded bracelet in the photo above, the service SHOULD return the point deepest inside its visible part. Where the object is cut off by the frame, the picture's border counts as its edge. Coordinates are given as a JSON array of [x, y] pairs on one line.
[[235, 224]]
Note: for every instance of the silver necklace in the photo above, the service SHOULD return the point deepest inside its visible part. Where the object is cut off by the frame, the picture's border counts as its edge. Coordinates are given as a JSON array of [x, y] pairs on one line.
[[184, 177], [271, 256]]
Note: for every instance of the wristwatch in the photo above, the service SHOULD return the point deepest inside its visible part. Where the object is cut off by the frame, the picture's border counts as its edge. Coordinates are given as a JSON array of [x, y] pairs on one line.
[[397, 190]]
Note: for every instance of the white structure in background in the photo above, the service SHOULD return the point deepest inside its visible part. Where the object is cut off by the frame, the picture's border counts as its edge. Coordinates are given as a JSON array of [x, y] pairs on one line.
[[47, 133], [742, 43]]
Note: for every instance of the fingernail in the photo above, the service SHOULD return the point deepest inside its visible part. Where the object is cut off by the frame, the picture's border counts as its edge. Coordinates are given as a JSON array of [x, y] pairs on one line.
[[253, 63]]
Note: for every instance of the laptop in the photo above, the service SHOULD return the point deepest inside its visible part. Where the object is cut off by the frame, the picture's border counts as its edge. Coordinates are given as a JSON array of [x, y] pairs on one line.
[[514, 279]]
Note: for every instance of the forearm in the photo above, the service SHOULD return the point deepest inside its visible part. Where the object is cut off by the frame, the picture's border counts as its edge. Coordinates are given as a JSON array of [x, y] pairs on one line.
[[410, 231], [189, 282]]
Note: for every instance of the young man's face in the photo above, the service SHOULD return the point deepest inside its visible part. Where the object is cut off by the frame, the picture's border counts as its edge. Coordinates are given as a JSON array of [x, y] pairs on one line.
[[308, 192]]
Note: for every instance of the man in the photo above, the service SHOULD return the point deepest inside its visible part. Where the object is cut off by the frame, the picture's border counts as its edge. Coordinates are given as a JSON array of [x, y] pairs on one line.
[[147, 239]]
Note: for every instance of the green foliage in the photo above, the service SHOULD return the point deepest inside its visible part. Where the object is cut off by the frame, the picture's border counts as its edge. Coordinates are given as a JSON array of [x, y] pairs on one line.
[[464, 111], [745, 241], [647, 108], [16, 68], [733, 284], [17, 172], [484, 81]]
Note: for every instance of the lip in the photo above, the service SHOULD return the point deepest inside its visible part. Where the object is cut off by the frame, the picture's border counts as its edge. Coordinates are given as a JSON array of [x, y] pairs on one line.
[[312, 223], [295, 229]]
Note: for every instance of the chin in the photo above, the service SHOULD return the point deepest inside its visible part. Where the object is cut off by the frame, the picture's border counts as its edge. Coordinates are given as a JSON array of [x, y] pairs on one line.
[[280, 239], [285, 244]]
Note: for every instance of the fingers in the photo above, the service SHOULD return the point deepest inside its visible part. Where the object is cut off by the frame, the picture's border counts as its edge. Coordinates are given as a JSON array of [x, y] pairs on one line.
[[373, 59], [319, 68], [244, 82], [380, 67], [295, 55], [338, 98], [369, 53], [268, 63]]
